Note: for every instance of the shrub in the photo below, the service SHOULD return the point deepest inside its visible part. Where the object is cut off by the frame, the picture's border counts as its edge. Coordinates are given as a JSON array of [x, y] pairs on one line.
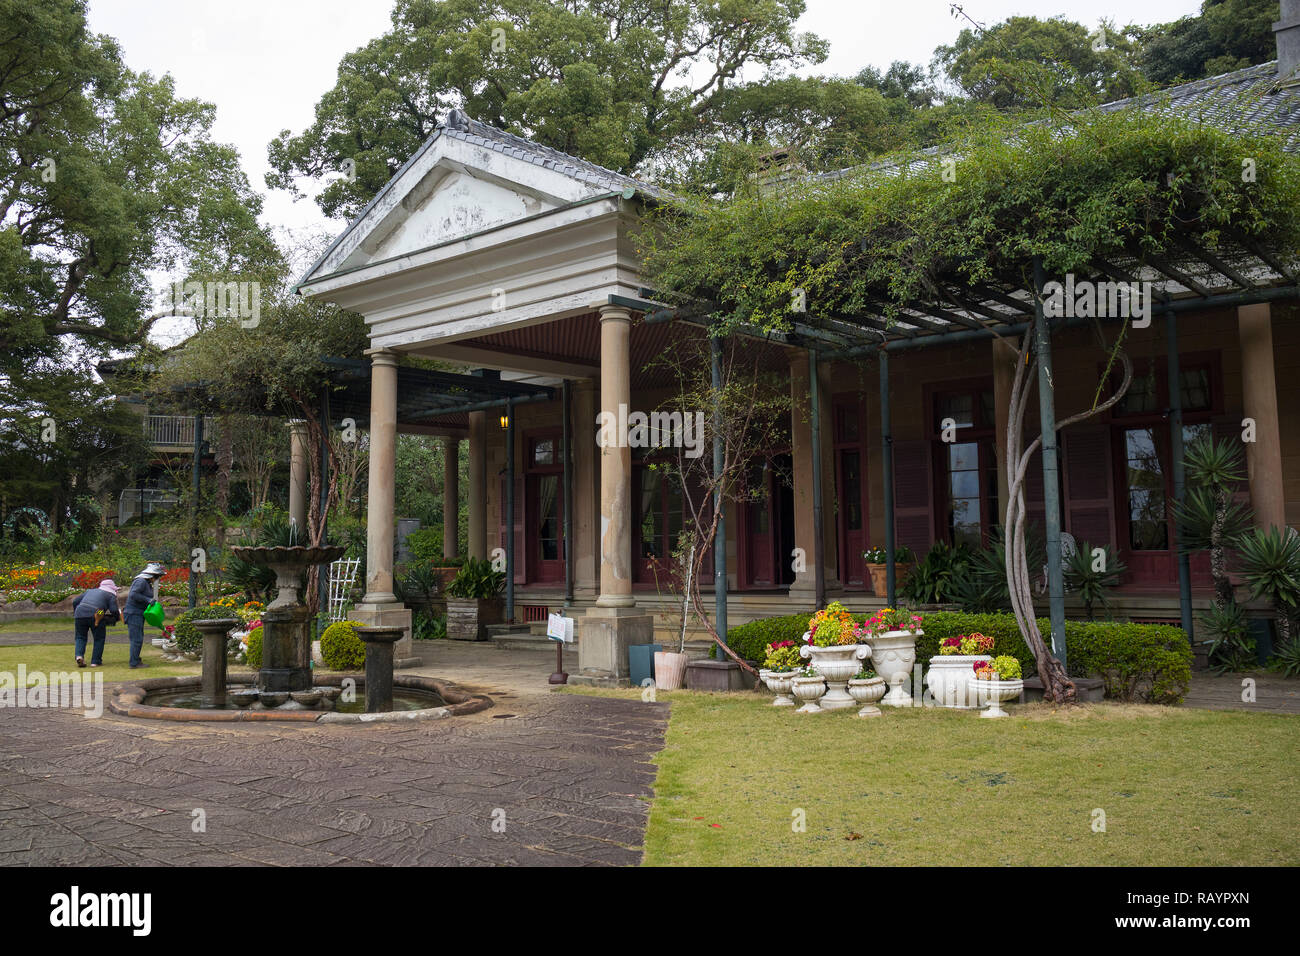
[[253, 648], [476, 580], [750, 640], [341, 649], [184, 632]]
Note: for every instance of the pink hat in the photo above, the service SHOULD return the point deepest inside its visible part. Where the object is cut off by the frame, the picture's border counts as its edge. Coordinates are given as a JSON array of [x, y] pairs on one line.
[[108, 585]]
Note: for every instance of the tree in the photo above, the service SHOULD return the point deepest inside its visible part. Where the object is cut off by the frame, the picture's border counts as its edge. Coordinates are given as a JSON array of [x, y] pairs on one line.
[[1228, 35], [1209, 518], [1028, 63], [106, 178], [607, 80]]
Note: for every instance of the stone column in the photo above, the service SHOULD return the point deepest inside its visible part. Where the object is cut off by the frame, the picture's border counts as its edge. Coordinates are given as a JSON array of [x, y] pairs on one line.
[[830, 522], [1259, 400], [298, 477], [804, 588], [1004, 373], [477, 544], [450, 497], [614, 623], [586, 493], [380, 607]]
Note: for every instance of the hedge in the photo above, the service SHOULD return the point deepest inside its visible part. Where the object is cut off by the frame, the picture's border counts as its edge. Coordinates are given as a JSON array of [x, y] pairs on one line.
[[253, 648], [1148, 662], [186, 635], [341, 649]]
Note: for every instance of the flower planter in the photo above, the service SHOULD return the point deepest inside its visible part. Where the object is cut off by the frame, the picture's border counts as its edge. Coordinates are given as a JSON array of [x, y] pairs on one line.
[[837, 664], [468, 620], [993, 693], [893, 655], [950, 678], [808, 690], [778, 682], [880, 576], [670, 670], [867, 692]]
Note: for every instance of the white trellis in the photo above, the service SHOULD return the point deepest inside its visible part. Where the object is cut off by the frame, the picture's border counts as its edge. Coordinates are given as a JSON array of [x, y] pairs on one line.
[[343, 573]]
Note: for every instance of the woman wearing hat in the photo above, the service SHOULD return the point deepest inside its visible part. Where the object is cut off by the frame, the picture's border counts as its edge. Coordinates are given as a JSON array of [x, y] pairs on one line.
[[141, 595], [92, 613]]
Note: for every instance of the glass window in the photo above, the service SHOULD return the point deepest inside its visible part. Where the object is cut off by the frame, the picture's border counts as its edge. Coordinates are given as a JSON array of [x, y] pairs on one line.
[[852, 500], [960, 407], [544, 451], [1143, 393], [651, 514], [548, 518], [847, 424], [1195, 390], [964, 493], [1148, 529]]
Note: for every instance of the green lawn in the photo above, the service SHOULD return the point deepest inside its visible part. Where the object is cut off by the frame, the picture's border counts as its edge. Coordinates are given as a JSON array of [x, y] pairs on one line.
[[1178, 787], [56, 658], [41, 624]]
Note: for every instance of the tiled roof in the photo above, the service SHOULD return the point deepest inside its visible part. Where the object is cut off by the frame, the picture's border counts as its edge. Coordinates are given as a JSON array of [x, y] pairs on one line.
[[459, 126]]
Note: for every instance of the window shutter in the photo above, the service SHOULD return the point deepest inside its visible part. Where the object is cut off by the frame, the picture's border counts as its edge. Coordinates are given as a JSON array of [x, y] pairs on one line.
[[913, 494], [1089, 503]]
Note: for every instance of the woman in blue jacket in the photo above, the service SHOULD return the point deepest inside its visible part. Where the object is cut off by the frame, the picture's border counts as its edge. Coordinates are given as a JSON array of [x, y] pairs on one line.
[[141, 595], [92, 614]]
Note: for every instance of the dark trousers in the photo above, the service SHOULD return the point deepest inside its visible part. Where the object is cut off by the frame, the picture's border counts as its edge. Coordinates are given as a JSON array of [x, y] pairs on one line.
[[87, 626], [135, 632]]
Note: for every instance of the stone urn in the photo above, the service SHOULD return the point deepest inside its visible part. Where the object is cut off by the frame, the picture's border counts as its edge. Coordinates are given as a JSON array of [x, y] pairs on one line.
[[867, 692], [778, 682], [808, 690], [837, 663], [893, 654], [992, 694], [950, 677]]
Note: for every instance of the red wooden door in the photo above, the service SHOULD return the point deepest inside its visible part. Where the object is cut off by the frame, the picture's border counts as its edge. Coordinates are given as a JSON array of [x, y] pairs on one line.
[[852, 516], [760, 540]]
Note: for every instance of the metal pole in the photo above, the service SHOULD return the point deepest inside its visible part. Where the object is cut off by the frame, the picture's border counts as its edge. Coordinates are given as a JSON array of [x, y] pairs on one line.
[[566, 403], [194, 503], [819, 537], [1051, 484], [324, 572], [510, 511], [720, 540], [887, 464], [1180, 475]]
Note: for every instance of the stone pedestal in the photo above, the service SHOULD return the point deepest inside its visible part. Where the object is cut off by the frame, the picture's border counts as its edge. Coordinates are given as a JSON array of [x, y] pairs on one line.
[[286, 649], [607, 632], [390, 614], [379, 643], [214, 660]]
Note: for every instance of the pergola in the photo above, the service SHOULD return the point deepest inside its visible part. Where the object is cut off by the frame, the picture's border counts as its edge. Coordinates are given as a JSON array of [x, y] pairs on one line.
[[1185, 277]]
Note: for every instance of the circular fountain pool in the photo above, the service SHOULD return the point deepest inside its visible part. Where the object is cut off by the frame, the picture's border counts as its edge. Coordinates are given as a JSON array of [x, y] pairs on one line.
[[332, 699]]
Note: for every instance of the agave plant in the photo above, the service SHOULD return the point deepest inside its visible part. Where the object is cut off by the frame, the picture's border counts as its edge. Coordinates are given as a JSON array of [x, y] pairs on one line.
[[1270, 561], [1231, 647], [1209, 518], [1092, 576]]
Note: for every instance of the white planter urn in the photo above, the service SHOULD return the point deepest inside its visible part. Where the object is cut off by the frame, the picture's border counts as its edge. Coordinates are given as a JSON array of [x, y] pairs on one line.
[[778, 682], [867, 692], [893, 654], [950, 678], [991, 694], [808, 690], [837, 664]]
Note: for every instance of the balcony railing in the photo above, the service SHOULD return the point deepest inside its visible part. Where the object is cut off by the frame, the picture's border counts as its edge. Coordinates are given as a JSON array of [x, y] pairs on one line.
[[174, 431]]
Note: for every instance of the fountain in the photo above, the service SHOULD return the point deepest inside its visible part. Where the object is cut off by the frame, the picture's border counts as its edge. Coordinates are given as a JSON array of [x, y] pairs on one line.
[[285, 687]]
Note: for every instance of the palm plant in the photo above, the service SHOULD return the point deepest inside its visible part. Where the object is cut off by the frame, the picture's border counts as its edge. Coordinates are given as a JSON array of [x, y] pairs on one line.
[[1270, 561], [931, 581], [1231, 648], [1209, 518], [1092, 583]]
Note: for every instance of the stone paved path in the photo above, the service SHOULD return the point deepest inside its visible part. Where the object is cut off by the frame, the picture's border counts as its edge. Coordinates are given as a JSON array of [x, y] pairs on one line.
[[571, 775], [1273, 693]]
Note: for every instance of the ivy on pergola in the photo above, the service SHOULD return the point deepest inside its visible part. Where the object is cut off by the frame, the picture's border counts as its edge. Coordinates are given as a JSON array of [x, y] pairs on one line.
[[929, 245]]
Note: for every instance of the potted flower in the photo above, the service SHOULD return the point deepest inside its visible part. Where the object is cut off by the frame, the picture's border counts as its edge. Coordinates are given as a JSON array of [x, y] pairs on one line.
[[808, 686], [866, 688], [891, 634], [473, 600], [778, 669], [997, 681], [949, 677], [832, 650], [876, 558]]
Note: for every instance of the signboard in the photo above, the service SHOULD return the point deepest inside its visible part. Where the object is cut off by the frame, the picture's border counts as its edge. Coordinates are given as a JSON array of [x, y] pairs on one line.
[[559, 628]]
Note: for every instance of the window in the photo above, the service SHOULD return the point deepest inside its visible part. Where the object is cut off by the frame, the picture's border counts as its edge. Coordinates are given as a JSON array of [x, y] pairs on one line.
[[1148, 527], [968, 478], [660, 504], [543, 452]]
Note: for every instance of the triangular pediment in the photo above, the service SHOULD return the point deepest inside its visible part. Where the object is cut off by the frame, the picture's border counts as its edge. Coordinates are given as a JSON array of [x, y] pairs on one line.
[[453, 188]]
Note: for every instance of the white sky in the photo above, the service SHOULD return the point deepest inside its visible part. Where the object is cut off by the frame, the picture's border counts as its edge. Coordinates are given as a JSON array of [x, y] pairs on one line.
[[265, 63]]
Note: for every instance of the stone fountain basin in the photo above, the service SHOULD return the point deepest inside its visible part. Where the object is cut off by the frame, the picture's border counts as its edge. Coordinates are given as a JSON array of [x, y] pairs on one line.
[[130, 700]]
